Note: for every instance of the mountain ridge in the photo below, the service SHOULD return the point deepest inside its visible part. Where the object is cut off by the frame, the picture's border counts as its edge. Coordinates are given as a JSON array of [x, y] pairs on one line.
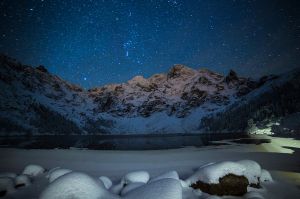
[[172, 102]]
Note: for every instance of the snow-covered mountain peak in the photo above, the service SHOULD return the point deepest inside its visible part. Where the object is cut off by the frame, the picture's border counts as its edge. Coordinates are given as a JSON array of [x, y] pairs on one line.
[[175, 101]]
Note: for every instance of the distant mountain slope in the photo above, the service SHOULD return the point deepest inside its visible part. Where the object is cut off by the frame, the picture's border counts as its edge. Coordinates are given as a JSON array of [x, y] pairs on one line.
[[184, 100]]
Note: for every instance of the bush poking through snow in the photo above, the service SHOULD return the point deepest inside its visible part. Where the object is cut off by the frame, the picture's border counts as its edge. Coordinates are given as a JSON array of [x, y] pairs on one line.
[[130, 187], [76, 185], [265, 176], [33, 170], [106, 181], [22, 181], [161, 189], [136, 176], [6, 186], [57, 173]]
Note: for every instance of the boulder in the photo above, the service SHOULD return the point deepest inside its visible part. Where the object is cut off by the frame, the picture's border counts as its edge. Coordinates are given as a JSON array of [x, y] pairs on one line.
[[230, 184]]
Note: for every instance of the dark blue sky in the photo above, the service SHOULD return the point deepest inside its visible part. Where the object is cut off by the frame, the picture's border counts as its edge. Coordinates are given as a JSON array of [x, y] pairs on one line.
[[95, 42]]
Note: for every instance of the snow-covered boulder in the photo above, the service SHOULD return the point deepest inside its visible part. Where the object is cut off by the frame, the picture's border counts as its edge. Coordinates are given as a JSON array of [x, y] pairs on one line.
[[57, 173], [265, 176], [76, 185], [106, 181], [131, 187], [33, 170], [224, 178], [8, 174], [252, 172], [170, 174], [213, 172], [22, 180], [136, 176], [161, 189], [6, 186]]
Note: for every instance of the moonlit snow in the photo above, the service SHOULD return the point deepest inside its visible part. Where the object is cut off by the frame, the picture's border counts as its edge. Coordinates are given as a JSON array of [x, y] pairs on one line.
[[265, 176], [94, 177], [252, 172], [76, 185], [170, 174], [57, 173], [137, 176], [162, 189]]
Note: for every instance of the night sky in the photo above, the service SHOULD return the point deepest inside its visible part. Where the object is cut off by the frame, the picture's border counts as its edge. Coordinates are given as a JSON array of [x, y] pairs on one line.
[[95, 42]]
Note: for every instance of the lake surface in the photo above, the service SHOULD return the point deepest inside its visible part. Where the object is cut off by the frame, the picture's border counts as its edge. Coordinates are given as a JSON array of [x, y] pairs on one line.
[[128, 142]]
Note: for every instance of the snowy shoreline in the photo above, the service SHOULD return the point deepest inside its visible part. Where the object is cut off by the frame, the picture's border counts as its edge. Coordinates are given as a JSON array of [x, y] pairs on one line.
[[281, 155]]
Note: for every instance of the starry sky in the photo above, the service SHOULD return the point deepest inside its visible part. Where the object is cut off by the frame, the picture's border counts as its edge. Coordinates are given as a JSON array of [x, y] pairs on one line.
[[96, 42]]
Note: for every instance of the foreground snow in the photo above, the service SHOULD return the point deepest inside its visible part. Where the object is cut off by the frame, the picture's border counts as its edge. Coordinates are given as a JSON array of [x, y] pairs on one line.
[[145, 174]]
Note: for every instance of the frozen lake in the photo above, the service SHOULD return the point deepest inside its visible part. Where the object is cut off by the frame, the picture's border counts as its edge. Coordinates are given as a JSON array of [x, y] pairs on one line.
[[128, 142]]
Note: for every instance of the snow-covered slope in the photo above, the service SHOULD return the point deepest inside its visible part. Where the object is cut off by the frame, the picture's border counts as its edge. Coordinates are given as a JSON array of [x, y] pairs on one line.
[[33, 101]]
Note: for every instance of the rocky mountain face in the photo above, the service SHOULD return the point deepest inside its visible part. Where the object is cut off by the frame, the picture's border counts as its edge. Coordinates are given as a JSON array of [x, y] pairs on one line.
[[183, 100]]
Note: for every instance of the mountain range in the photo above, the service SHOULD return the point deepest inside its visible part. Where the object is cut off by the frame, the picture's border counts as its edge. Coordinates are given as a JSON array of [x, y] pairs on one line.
[[183, 100]]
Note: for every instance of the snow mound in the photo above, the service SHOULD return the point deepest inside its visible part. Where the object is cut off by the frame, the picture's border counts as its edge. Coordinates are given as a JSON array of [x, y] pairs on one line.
[[161, 189], [76, 185], [170, 174], [265, 176], [106, 181], [7, 185], [252, 172], [22, 180], [131, 187], [8, 174], [57, 173], [253, 195], [136, 176], [211, 173], [33, 170]]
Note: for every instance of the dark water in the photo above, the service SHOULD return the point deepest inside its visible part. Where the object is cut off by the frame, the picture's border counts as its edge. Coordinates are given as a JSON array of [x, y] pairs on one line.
[[121, 142]]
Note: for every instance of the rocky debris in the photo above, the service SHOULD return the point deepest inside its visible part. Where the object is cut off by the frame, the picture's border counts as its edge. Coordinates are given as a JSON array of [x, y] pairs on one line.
[[230, 184], [231, 77], [179, 70], [194, 97]]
